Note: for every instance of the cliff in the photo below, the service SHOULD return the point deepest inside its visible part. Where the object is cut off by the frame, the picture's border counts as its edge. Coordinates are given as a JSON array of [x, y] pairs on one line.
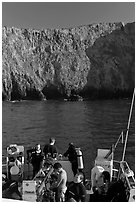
[[96, 60]]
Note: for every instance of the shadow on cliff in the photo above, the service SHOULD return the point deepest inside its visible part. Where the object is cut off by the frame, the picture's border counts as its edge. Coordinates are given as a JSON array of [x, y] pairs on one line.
[[112, 65]]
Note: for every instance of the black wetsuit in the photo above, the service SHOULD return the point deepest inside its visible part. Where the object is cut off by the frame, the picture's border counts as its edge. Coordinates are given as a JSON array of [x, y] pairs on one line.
[[72, 156], [36, 160], [77, 191], [50, 149]]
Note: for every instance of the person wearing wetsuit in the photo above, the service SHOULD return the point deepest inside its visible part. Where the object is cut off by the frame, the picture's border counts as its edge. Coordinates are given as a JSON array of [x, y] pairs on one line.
[[72, 156], [50, 149], [36, 158], [76, 191]]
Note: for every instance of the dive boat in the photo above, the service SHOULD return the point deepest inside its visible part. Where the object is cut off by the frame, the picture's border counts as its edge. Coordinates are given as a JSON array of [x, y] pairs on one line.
[[18, 183], [37, 189]]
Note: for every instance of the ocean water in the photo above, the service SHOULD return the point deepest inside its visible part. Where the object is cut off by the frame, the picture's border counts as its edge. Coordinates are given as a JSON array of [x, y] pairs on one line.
[[88, 124]]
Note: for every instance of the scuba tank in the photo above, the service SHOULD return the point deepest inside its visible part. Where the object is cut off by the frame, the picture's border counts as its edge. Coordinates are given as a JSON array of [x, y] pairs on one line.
[[79, 158]]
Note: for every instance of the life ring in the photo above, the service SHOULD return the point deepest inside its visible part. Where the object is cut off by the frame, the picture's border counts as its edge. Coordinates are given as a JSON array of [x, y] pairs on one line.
[[14, 170], [12, 150]]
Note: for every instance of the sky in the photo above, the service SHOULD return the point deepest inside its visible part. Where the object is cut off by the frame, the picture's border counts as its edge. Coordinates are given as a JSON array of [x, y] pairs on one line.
[[42, 15]]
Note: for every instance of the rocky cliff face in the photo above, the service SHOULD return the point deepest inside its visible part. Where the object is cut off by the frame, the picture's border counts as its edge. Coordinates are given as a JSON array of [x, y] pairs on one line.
[[97, 60]]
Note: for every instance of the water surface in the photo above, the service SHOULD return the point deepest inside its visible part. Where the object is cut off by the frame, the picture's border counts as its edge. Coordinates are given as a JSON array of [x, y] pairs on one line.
[[88, 124]]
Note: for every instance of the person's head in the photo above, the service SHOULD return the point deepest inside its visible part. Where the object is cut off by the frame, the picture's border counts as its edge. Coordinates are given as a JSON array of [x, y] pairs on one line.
[[106, 176], [71, 146], [57, 167], [37, 146], [79, 177], [52, 140]]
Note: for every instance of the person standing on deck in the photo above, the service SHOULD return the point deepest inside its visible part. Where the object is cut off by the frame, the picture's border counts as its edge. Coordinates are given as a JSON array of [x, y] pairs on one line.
[[101, 191], [50, 149], [72, 156], [36, 158], [96, 178]]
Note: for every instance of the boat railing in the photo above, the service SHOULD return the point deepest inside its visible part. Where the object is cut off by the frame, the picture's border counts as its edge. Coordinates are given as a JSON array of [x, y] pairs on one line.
[[122, 171], [128, 173]]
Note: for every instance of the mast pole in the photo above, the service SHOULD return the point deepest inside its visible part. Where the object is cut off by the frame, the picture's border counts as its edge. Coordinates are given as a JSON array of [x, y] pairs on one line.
[[128, 126]]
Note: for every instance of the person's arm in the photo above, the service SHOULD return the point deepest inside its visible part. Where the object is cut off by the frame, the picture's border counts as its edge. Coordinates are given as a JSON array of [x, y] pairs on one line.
[[41, 160], [83, 193], [65, 154], [54, 152], [69, 193], [45, 149], [41, 156]]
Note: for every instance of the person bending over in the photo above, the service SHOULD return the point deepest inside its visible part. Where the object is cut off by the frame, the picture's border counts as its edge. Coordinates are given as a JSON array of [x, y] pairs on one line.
[[50, 149], [72, 156], [60, 184]]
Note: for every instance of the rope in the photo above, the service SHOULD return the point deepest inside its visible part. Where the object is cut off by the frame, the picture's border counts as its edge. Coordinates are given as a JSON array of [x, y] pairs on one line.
[[128, 126]]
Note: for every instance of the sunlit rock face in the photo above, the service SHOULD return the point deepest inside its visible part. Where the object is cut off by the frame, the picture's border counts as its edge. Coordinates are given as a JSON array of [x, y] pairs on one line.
[[94, 61]]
